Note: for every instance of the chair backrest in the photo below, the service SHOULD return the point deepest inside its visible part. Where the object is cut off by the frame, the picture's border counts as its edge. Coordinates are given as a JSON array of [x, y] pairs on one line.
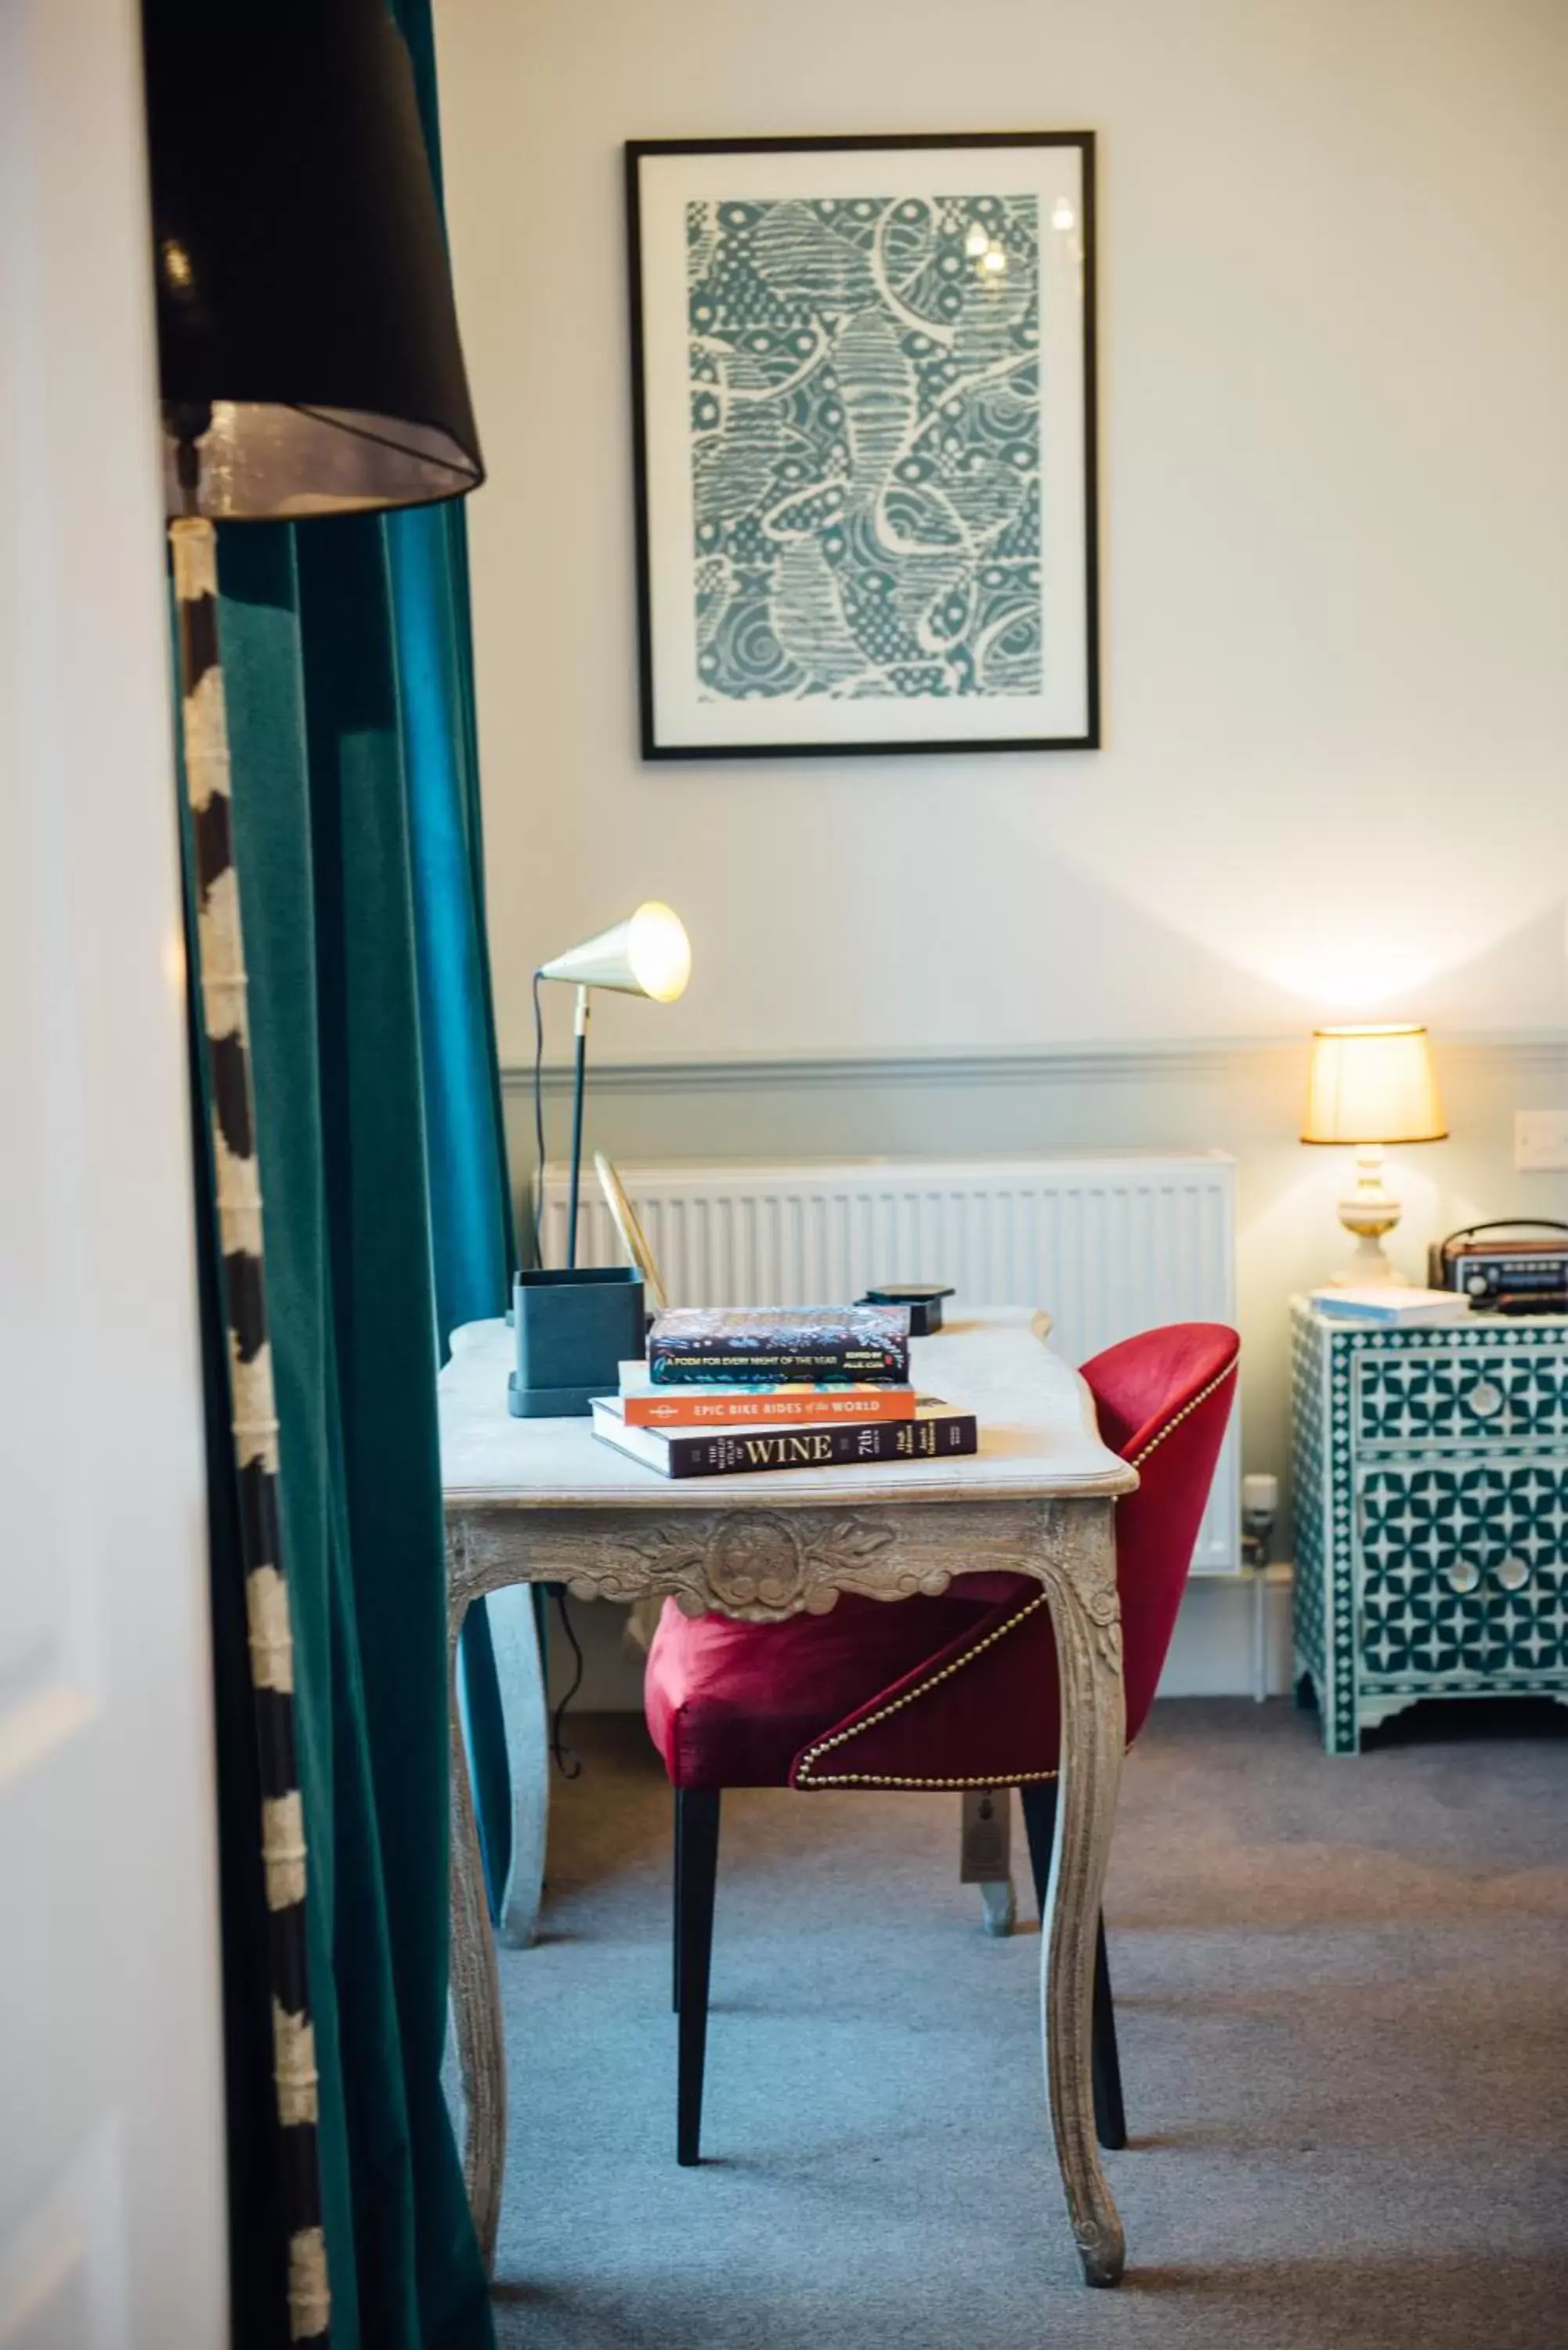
[[1163, 1400]]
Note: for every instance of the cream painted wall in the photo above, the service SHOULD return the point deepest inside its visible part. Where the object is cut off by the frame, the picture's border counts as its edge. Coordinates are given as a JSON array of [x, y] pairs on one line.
[[1333, 360], [1335, 504]]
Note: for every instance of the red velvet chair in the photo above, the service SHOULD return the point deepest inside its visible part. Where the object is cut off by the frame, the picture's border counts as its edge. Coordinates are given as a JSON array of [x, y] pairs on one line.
[[960, 1691]]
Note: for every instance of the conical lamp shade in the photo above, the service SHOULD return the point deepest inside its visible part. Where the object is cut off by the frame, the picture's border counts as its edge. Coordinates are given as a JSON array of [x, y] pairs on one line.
[[648, 955], [304, 296]]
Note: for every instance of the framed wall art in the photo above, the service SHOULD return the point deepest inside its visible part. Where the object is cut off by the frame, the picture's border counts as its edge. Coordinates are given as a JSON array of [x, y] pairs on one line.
[[863, 384]]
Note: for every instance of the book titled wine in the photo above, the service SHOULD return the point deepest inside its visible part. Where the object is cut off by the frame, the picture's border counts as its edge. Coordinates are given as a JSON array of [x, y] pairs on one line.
[[938, 1431], [798, 1403], [697, 1345]]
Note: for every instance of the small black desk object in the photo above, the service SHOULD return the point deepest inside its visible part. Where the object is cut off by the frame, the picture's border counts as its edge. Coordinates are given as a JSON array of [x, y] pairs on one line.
[[923, 1298]]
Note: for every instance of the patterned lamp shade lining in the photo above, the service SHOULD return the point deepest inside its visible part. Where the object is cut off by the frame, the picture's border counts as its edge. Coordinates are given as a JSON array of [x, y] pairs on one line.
[[1372, 1084]]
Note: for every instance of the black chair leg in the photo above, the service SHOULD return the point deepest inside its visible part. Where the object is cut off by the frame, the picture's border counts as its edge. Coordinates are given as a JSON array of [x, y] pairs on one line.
[[1110, 2113], [675, 1912], [1039, 1801], [696, 1873]]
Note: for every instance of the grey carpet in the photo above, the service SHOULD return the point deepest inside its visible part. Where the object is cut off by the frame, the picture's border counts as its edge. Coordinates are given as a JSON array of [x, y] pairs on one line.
[[1340, 1986]]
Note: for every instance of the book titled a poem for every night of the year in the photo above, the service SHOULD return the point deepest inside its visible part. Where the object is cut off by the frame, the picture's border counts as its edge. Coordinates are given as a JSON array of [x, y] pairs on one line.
[[689, 1346]]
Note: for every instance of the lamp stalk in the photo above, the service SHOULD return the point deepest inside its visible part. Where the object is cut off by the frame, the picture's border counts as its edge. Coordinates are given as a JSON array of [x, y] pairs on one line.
[[580, 1030]]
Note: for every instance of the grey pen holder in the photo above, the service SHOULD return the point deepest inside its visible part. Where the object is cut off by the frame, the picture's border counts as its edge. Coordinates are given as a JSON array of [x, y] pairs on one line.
[[571, 1332]]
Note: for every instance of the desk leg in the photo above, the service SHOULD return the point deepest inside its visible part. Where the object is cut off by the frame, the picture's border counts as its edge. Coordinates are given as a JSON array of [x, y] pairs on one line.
[[1086, 1616], [475, 1992], [519, 1669]]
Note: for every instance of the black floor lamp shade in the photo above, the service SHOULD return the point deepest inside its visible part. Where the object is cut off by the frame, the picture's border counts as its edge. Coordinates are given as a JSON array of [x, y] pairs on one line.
[[306, 325]]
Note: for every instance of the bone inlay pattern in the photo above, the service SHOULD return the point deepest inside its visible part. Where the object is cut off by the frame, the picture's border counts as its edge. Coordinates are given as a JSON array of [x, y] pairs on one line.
[[1431, 1514]]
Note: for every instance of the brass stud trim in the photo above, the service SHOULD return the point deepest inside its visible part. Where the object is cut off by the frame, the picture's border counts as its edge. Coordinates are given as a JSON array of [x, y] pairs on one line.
[[842, 1737], [806, 1777], [1138, 1459]]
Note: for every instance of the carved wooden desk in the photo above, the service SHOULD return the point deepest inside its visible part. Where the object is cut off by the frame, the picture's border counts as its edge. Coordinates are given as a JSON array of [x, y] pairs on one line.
[[543, 1501]]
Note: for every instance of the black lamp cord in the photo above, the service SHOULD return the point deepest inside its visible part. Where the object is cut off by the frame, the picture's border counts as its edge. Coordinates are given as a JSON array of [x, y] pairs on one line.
[[566, 1760], [538, 1200]]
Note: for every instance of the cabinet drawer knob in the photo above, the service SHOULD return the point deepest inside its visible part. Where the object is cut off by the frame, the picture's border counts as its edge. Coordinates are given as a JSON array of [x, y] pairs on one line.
[[1485, 1399], [1512, 1573], [1462, 1575]]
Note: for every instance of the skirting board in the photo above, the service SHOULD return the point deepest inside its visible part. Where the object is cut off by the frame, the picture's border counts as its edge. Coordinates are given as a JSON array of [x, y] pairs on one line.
[[1215, 1652]]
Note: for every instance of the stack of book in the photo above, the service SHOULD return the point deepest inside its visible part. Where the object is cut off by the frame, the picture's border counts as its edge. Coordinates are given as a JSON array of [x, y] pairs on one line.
[[724, 1391]]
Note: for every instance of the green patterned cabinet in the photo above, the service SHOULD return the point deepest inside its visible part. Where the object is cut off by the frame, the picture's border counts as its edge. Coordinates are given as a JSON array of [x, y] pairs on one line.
[[1431, 1504]]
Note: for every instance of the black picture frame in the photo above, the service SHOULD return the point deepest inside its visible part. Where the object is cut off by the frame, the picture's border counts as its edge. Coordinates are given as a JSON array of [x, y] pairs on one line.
[[654, 747]]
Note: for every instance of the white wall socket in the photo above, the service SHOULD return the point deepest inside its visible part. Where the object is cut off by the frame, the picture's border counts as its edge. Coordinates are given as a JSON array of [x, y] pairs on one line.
[[1540, 1140]]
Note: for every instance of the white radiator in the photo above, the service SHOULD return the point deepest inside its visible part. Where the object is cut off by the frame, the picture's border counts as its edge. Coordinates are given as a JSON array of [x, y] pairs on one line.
[[1108, 1246]]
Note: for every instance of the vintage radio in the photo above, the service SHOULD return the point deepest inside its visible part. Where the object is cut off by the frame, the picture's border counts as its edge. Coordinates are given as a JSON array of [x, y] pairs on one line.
[[1516, 1273]]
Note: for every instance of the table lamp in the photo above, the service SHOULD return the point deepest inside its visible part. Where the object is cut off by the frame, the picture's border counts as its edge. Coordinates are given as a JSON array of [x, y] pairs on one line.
[[309, 364], [574, 1326], [648, 955], [1370, 1086]]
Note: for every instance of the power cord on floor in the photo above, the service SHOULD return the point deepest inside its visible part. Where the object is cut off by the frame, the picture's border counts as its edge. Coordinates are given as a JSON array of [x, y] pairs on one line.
[[566, 1760]]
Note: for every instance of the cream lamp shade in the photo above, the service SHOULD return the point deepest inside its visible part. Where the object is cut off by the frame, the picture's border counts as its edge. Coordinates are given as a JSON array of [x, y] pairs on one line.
[[648, 955], [1372, 1084], [1369, 1087]]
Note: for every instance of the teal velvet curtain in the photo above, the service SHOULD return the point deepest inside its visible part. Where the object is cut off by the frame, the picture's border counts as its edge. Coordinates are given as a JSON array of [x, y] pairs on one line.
[[322, 833], [470, 1212], [349, 677], [471, 1207]]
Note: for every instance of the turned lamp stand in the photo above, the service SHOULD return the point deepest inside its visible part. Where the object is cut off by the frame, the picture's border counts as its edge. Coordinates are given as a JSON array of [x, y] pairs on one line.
[[1368, 1212]]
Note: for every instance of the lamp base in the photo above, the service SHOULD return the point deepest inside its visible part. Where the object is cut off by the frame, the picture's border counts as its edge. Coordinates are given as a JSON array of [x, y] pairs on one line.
[[571, 1332], [1369, 1212], [1369, 1268]]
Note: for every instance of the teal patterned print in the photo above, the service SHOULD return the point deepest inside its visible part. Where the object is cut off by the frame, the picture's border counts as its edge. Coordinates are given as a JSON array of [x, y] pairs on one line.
[[866, 446]]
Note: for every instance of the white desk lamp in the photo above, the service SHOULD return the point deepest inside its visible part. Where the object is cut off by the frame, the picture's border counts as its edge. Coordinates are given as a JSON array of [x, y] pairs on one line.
[[648, 955]]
